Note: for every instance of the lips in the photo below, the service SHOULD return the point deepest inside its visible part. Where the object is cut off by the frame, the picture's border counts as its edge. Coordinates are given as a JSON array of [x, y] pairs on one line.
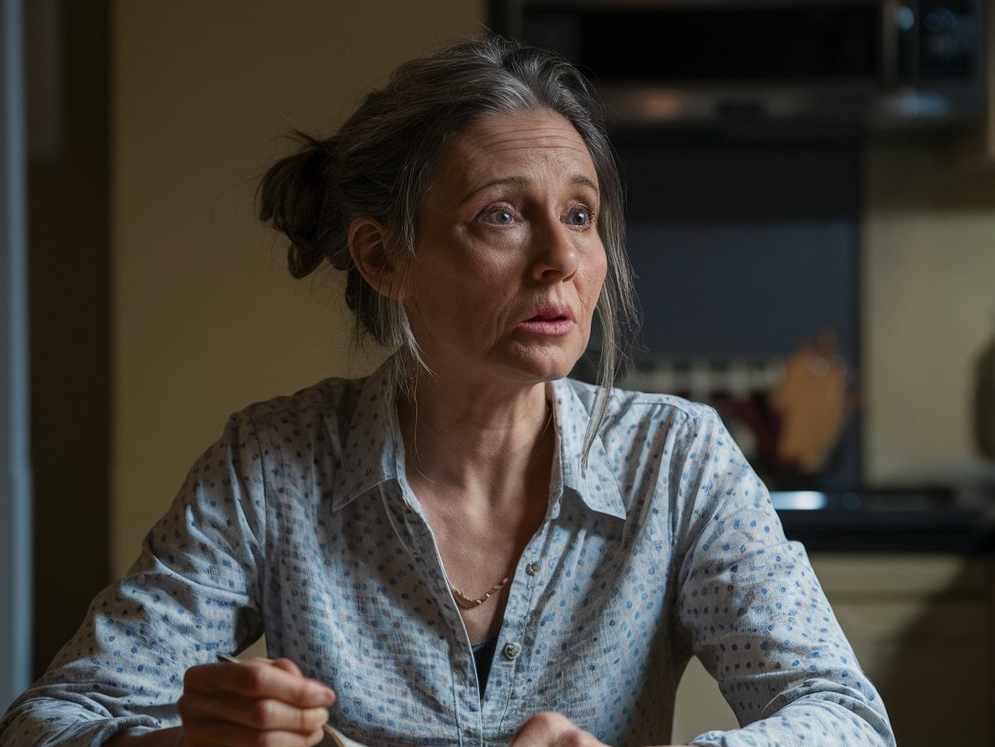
[[549, 321], [549, 318], [552, 314]]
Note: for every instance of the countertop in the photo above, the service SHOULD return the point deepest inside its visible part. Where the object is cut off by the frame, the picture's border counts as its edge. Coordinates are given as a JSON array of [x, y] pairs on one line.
[[899, 519]]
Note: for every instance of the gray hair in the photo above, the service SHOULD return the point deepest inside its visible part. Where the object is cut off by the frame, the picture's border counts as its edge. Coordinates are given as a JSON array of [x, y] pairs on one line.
[[380, 165]]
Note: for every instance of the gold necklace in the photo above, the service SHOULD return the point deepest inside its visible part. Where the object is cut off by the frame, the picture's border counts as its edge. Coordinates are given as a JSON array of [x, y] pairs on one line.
[[467, 602]]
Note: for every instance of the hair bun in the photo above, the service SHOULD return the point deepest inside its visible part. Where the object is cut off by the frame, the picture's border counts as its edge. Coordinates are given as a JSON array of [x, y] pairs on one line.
[[293, 198]]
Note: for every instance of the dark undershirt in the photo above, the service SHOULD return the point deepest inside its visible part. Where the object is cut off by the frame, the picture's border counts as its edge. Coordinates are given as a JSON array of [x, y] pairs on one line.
[[483, 655]]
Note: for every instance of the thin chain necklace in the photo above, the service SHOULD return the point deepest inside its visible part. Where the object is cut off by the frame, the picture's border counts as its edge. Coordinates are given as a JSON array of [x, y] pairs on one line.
[[467, 602]]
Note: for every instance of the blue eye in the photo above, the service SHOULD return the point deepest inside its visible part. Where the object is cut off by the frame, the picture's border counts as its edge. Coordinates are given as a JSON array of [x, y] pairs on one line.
[[579, 218], [502, 217]]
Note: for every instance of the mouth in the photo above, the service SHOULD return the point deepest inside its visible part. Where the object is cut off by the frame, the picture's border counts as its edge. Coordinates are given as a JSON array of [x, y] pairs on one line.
[[548, 318], [552, 314], [549, 322]]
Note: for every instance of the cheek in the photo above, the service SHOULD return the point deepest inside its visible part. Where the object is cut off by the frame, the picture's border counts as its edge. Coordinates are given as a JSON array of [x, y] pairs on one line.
[[594, 278]]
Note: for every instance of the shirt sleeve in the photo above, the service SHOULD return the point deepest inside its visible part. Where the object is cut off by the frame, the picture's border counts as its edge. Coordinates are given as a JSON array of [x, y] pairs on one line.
[[193, 592], [756, 615]]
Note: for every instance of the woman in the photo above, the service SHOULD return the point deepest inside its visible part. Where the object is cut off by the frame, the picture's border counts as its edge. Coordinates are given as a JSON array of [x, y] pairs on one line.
[[465, 547]]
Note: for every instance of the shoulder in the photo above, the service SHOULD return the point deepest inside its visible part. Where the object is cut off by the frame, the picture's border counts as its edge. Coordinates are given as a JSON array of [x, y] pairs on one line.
[[322, 412], [322, 397], [641, 434], [627, 409]]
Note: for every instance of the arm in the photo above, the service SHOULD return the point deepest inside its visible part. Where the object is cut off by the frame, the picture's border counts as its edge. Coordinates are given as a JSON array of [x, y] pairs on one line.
[[231, 704], [192, 592], [757, 617], [746, 602]]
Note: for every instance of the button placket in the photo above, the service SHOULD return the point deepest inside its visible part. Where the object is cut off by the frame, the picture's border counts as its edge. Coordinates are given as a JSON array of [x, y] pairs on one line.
[[516, 630]]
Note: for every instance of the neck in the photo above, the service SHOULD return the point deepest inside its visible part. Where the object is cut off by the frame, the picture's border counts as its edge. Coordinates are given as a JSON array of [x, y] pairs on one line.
[[474, 441]]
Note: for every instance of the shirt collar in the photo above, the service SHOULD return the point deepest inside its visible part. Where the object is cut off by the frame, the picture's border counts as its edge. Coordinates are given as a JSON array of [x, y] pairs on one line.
[[373, 451], [594, 483]]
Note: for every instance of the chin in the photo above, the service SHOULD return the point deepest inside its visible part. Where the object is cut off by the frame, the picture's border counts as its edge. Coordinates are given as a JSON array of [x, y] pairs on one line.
[[544, 370], [540, 362]]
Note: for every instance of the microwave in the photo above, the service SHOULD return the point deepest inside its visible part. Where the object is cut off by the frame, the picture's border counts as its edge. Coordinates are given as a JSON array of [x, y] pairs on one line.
[[865, 64]]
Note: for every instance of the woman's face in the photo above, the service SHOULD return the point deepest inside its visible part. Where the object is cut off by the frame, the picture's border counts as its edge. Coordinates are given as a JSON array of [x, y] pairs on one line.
[[508, 264]]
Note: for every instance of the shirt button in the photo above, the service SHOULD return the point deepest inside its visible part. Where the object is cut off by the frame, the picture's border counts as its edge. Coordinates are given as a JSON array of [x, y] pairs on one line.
[[511, 651], [532, 569]]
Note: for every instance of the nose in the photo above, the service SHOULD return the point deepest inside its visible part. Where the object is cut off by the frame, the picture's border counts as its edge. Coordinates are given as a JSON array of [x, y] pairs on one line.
[[555, 255]]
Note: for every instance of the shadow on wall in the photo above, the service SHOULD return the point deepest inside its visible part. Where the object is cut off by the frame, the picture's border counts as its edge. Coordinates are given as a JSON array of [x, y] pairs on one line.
[[931, 656]]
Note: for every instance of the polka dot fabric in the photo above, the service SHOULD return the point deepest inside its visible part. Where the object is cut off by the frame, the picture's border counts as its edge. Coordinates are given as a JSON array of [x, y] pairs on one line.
[[299, 523]]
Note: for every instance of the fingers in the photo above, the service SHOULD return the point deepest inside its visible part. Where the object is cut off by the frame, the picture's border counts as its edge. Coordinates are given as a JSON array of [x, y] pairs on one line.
[[552, 730], [259, 678], [256, 702], [254, 713], [285, 664]]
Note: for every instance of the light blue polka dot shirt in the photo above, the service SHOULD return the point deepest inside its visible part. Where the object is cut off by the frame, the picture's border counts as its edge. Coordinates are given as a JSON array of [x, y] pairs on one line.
[[299, 523]]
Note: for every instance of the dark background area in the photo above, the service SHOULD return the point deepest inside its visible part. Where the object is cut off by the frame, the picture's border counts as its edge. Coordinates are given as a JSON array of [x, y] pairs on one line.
[[68, 239]]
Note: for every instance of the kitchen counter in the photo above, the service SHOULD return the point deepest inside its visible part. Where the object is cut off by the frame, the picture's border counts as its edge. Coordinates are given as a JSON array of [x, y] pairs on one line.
[[914, 520]]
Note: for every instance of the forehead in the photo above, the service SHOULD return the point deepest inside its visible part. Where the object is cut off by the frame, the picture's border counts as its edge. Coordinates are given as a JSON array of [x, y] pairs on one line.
[[528, 140]]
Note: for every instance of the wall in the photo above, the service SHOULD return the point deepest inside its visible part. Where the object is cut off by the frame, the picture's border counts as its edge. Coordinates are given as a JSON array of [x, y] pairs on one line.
[[68, 228], [205, 317], [929, 309]]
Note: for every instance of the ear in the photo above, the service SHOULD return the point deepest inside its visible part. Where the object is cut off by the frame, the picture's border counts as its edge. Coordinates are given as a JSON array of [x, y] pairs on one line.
[[370, 248]]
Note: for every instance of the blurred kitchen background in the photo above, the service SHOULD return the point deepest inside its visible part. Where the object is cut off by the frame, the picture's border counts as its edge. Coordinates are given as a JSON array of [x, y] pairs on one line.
[[795, 170]]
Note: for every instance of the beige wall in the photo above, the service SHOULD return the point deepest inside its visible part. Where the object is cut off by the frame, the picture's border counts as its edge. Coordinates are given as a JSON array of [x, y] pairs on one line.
[[205, 317], [929, 309]]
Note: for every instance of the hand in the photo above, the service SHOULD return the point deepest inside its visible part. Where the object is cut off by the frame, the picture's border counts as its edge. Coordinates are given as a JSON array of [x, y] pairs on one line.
[[552, 730], [258, 701]]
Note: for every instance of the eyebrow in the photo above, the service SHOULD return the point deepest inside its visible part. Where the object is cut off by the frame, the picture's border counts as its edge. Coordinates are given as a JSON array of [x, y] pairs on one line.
[[519, 181]]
